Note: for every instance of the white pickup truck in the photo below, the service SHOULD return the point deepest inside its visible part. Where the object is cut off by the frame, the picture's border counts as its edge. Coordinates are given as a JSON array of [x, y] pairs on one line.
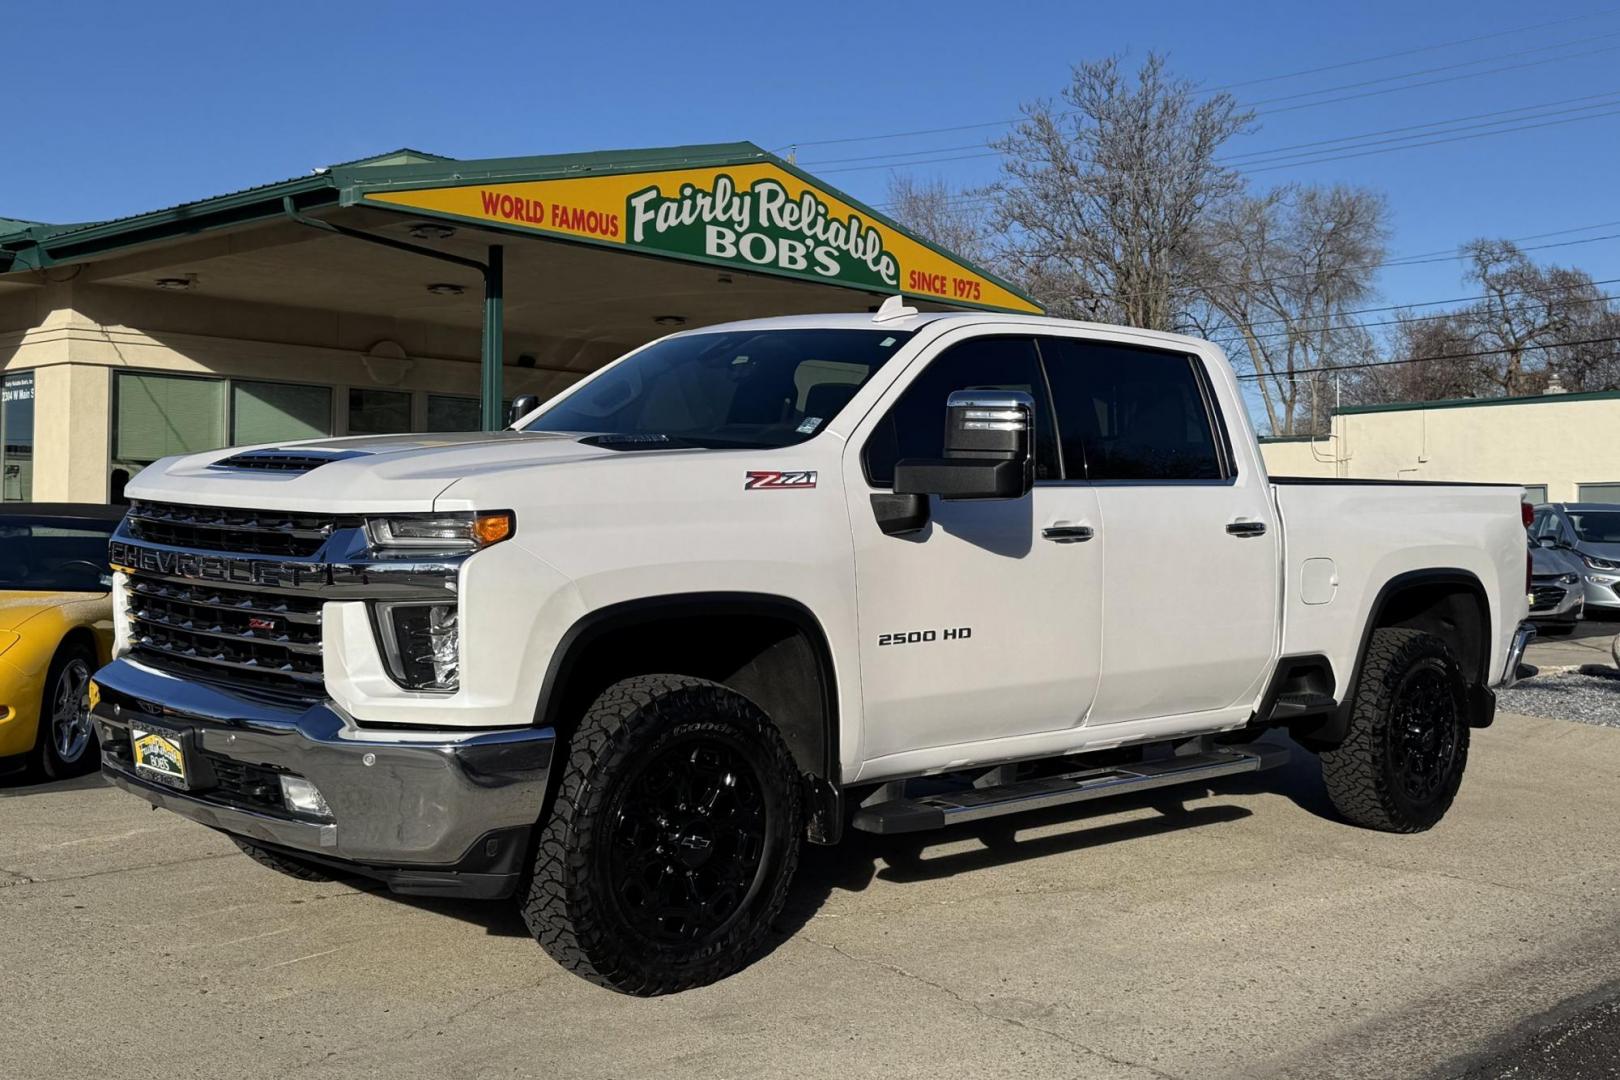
[[772, 580]]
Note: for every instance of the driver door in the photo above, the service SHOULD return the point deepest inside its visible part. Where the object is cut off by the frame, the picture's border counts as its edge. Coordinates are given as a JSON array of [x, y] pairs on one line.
[[985, 625]]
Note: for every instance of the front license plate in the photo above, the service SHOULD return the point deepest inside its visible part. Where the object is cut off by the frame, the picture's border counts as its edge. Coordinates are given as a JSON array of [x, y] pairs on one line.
[[159, 755]]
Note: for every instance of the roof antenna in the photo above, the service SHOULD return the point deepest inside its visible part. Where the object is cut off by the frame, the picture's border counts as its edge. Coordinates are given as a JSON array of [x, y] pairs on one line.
[[895, 307]]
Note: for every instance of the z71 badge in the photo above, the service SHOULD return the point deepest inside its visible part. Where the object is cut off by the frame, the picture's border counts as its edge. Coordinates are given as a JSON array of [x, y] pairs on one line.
[[775, 480]]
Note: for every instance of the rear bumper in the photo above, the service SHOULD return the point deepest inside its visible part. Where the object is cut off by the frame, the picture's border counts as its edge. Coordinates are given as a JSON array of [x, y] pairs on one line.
[[1521, 640], [426, 811]]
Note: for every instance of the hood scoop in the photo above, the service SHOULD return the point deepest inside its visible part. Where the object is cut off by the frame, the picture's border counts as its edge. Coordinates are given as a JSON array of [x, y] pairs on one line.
[[287, 462]]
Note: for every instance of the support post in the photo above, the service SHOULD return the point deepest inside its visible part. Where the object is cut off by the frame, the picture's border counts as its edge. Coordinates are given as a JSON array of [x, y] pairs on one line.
[[494, 332]]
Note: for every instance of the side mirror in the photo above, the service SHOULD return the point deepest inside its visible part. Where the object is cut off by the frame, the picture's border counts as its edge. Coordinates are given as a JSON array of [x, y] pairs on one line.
[[521, 406], [1548, 541], [987, 450], [988, 455]]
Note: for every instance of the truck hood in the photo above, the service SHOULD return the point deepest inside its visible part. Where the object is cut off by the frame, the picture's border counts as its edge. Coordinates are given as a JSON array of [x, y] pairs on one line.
[[352, 475]]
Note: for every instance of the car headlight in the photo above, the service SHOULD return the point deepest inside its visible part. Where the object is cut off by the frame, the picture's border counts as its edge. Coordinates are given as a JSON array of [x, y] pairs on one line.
[[421, 643], [1570, 579], [446, 534], [1600, 564]]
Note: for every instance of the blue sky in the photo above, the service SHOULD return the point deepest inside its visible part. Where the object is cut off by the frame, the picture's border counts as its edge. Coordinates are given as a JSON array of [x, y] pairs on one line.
[[119, 108]]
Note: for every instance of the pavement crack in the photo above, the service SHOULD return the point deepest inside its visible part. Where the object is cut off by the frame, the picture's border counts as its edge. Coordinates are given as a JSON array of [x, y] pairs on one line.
[[29, 880], [977, 1007]]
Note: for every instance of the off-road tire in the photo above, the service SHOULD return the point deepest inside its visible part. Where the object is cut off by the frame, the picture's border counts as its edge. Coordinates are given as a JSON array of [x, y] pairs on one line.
[[634, 727], [47, 762], [1365, 774], [282, 864]]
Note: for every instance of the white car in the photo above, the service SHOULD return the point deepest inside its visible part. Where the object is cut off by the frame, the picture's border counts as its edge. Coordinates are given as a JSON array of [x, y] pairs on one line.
[[751, 583]]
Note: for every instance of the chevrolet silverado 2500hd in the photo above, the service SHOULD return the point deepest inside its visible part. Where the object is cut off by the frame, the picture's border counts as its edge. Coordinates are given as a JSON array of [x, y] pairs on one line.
[[777, 579]]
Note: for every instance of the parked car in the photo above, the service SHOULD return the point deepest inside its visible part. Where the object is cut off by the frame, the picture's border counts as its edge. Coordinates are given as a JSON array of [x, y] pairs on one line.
[[1591, 533], [55, 630], [765, 581], [1557, 588]]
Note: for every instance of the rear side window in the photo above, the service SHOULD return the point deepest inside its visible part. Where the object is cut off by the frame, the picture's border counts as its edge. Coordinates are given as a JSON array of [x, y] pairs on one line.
[[1130, 413], [914, 426]]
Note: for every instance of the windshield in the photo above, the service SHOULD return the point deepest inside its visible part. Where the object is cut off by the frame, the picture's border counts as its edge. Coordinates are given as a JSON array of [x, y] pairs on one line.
[[753, 388], [46, 555], [1596, 526]]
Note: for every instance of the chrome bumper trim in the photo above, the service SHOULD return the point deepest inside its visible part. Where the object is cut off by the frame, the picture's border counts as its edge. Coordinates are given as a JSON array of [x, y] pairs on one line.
[[1521, 640], [398, 797]]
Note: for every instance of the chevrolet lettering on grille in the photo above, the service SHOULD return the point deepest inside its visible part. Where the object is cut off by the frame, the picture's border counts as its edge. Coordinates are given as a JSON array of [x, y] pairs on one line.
[[224, 569]]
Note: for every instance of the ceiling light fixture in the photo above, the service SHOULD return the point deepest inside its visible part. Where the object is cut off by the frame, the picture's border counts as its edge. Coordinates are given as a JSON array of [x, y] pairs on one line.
[[175, 284], [428, 231], [670, 320], [445, 288]]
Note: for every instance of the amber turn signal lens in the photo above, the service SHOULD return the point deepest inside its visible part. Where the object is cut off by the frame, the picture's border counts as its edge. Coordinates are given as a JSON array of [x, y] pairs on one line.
[[492, 528]]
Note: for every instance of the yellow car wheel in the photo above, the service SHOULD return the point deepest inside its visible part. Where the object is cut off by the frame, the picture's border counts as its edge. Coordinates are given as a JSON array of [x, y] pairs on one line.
[[66, 744]]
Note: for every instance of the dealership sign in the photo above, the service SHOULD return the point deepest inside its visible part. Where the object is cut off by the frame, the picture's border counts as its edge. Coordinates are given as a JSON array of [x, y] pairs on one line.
[[755, 216]]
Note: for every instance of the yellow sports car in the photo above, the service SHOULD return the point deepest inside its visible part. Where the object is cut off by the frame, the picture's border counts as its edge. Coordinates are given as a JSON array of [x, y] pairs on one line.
[[55, 631]]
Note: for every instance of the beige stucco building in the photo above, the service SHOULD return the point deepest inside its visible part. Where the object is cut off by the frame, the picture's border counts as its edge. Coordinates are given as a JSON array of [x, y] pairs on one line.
[[410, 292], [1561, 447]]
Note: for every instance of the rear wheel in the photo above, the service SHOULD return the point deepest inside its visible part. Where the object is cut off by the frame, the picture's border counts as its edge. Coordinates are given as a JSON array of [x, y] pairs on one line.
[[672, 841], [66, 743], [1401, 764]]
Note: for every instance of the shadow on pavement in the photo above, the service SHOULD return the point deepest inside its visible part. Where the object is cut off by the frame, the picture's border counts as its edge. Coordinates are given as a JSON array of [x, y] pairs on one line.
[[19, 782]]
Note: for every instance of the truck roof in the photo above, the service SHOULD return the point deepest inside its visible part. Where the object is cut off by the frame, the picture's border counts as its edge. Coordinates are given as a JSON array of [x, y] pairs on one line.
[[869, 321]]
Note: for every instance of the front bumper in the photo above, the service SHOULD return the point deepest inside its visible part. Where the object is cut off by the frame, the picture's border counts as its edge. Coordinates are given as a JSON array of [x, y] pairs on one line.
[[438, 812]]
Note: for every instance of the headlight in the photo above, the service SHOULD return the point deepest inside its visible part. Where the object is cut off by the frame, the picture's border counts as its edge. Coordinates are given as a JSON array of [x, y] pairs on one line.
[[1570, 579], [1600, 564], [422, 644], [440, 533]]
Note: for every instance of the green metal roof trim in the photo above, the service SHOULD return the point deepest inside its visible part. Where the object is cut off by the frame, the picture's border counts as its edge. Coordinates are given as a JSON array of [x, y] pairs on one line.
[[39, 245], [1472, 403]]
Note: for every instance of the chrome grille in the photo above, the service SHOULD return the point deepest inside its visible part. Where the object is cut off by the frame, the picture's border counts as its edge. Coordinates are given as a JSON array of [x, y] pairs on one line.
[[1545, 597], [269, 641], [231, 531]]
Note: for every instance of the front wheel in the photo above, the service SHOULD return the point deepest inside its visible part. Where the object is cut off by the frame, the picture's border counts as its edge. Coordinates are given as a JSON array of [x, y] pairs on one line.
[[1402, 761], [672, 841], [66, 742]]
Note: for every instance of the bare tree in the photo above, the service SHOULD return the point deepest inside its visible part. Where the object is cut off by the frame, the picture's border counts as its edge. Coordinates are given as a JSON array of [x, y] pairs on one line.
[[956, 220], [1281, 275], [1101, 199], [1420, 344], [1526, 309]]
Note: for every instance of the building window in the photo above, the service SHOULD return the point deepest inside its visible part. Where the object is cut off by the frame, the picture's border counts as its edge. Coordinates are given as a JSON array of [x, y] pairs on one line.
[[446, 413], [1535, 494], [379, 412], [1597, 493], [158, 415], [17, 437], [264, 412]]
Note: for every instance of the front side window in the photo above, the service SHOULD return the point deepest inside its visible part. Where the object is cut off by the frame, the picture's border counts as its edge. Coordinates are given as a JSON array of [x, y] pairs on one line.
[[914, 426], [42, 555], [739, 389], [1129, 413], [17, 437]]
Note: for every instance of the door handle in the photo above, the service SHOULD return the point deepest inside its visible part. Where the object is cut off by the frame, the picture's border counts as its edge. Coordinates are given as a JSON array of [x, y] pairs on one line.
[[1067, 534], [1246, 528]]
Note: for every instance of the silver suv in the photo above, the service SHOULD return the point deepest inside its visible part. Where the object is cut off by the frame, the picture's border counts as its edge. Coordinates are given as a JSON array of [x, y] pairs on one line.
[[1591, 532]]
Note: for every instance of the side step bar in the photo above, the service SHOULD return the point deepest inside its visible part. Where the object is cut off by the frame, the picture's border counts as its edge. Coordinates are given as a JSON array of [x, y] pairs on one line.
[[975, 804]]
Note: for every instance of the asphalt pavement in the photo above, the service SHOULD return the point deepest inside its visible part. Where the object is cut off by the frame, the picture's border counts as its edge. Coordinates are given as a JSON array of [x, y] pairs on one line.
[[1241, 933]]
